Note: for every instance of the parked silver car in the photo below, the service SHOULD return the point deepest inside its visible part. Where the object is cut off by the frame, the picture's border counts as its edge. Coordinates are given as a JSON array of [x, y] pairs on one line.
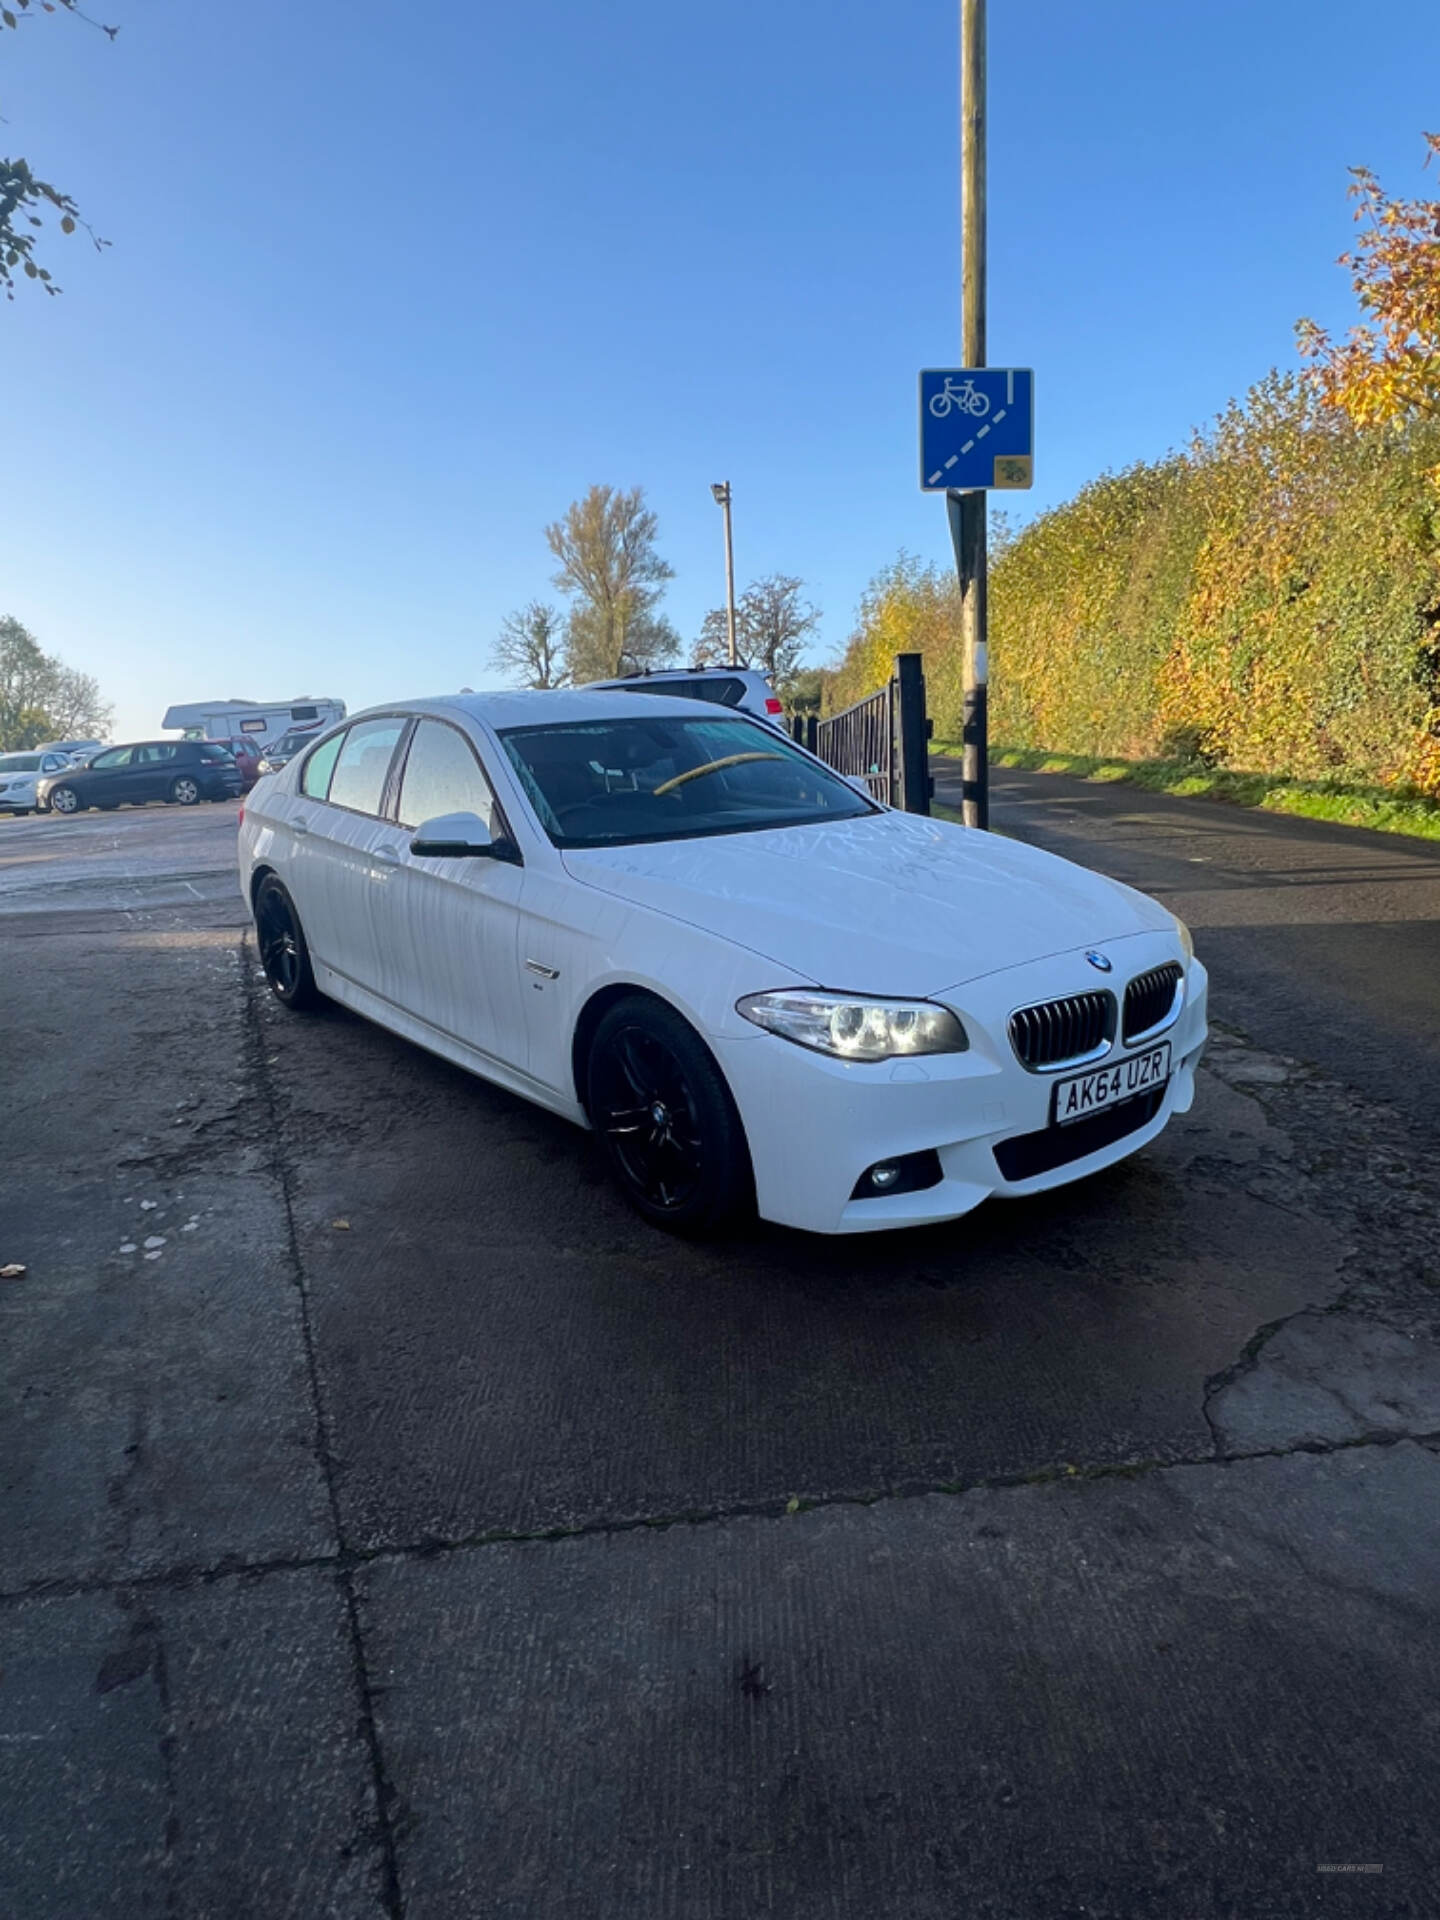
[[21, 772], [746, 689]]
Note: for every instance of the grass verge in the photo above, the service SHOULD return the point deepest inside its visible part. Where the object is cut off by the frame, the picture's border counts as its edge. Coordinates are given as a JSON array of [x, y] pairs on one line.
[[1345, 802]]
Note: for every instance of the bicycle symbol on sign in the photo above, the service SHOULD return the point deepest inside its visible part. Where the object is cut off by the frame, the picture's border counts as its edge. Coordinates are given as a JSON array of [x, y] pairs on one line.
[[962, 396]]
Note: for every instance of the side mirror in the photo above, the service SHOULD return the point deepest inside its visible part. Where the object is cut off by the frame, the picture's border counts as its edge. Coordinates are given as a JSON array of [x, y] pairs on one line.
[[859, 782], [461, 836]]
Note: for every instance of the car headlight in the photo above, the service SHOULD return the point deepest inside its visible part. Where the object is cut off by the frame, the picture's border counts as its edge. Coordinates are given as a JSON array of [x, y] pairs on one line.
[[851, 1029], [1187, 944]]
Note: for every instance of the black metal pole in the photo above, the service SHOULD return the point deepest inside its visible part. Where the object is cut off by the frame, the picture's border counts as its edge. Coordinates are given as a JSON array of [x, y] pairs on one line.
[[967, 532], [914, 749]]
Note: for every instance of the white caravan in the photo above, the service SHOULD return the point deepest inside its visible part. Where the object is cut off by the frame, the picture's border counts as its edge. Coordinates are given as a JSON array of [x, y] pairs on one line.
[[259, 721]]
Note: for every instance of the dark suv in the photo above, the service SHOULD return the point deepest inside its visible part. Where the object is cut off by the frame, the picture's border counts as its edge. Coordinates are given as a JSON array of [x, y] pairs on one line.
[[185, 771]]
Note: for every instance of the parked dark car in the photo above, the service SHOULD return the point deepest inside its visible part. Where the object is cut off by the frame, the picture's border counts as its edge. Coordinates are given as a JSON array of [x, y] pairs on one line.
[[185, 771], [280, 752]]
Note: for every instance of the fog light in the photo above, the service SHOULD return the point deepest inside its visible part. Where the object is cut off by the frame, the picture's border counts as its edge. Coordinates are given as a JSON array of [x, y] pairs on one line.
[[907, 1173]]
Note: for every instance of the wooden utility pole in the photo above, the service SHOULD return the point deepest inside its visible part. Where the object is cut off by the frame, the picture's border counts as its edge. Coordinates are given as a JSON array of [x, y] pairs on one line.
[[967, 510], [721, 491]]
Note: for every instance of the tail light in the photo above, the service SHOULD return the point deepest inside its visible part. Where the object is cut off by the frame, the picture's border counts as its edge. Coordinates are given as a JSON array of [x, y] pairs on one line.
[[241, 821], [772, 705]]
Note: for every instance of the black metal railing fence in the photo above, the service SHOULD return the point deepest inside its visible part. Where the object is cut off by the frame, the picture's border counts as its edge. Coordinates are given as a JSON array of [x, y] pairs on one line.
[[882, 739]]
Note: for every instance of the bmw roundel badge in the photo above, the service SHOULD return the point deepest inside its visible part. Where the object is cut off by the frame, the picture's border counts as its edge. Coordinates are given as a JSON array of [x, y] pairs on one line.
[[1098, 960]]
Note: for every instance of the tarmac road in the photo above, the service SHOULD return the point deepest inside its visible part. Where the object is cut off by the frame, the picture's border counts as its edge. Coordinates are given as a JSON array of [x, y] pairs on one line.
[[391, 1524]]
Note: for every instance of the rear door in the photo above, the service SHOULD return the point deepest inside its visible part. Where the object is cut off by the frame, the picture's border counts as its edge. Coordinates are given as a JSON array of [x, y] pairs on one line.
[[152, 770], [334, 825], [449, 929]]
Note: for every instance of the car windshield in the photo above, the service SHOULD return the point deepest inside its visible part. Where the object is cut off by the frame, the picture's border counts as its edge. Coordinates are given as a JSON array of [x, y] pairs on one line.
[[19, 763], [607, 783], [290, 743]]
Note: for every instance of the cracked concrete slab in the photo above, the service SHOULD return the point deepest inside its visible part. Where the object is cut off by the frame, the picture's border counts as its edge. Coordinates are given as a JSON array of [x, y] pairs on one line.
[[504, 1347], [1327, 1380], [187, 1753], [1174, 1695], [156, 1408], [1121, 1681]]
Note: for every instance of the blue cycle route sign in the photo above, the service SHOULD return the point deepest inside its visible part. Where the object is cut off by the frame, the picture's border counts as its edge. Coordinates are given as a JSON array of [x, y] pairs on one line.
[[977, 428]]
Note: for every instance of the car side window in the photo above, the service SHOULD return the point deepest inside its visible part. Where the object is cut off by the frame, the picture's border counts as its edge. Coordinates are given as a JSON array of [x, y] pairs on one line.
[[442, 775], [318, 768], [723, 693], [358, 781], [117, 757], [150, 756]]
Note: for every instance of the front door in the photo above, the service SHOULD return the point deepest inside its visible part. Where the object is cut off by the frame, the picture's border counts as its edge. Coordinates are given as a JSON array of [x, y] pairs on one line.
[[109, 779]]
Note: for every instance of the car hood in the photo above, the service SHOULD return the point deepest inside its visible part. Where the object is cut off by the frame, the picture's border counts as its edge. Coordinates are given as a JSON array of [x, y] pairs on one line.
[[890, 903]]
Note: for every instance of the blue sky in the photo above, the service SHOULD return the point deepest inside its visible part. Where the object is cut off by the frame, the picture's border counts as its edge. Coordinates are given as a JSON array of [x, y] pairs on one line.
[[389, 286]]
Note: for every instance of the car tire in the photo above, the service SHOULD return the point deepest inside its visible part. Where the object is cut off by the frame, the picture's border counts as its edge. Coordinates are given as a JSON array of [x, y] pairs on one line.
[[185, 790], [667, 1120], [284, 954], [65, 800]]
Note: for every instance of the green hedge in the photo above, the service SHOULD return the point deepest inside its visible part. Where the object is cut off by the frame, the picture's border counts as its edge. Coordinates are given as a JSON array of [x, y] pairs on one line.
[[1267, 601]]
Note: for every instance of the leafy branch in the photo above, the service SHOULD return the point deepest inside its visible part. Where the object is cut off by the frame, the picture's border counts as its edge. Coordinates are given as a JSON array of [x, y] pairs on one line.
[[25, 199], [1389, 369]]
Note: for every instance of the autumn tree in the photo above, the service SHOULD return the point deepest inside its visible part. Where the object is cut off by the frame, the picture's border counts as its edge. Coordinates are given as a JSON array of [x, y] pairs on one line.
[[27, 201], [806, 688], [773, 625], [1388, 368], [531, 646], [40, 697], [614, 579]]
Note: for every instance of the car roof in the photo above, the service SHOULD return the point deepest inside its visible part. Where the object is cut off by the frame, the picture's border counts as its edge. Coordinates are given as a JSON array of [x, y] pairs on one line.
[[718, 671], [529, 707], [115, 746]]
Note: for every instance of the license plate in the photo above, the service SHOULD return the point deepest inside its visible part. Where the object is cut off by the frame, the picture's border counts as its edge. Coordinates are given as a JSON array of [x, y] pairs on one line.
[[1107, 1086]]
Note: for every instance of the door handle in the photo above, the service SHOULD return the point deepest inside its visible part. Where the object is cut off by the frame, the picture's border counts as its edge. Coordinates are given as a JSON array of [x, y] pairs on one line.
[[299, 826], [387, 856]]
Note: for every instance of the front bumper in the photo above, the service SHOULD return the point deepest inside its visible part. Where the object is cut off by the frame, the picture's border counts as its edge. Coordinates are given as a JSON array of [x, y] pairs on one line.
[[815, 1124]]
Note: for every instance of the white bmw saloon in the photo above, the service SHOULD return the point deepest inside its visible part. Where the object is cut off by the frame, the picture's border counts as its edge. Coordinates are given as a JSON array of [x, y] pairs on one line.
[[760, 988]]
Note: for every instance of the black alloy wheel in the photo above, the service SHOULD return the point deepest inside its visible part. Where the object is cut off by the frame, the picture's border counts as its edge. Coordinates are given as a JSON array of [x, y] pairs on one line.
[[185, 790], [666, 1117], [283, 952]]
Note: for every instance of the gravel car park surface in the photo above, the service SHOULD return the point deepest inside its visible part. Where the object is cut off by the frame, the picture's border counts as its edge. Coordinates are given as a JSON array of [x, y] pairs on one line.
[[393, 1524]]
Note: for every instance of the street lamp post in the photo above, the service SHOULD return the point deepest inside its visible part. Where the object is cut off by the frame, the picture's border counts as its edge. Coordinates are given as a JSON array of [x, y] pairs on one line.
[[721, 491]]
